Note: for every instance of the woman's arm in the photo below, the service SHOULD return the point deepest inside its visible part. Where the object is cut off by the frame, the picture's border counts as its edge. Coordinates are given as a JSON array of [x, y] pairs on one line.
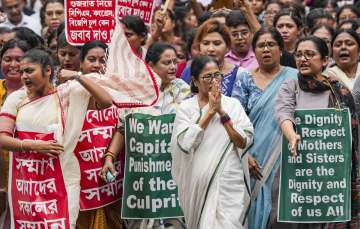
[[285, 105], [117, 145], [244, 6], [235, 137], [287, 127], [204, 122], [101, 96], [49, 148]]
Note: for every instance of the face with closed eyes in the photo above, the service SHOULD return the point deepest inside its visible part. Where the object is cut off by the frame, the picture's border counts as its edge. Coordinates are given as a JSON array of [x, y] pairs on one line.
[[213, 45]]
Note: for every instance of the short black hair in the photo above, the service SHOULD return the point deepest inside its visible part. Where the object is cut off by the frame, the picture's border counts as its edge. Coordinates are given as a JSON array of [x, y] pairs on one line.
[[62, 42], [204, 17], [320, 45], [316, 14], [28, 35], [293, 14], [354, 24], [236, 18], [4, 29], [197, 65], [91, 45], [274, 34], [14, 43], [154, 52]]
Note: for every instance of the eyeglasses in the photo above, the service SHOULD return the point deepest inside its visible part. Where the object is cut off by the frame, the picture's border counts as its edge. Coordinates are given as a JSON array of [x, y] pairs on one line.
[[308, 54], [268, 44], [210, 76]]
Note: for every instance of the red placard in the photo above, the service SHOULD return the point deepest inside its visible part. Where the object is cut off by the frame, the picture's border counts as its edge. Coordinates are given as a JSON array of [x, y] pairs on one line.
[[88, 20], [38, 198], [96, 135], [141, 8]]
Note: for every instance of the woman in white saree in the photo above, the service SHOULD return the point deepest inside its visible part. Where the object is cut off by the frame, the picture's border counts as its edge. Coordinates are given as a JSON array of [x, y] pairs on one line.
[[40, 109], [211, 133], [48, 120]]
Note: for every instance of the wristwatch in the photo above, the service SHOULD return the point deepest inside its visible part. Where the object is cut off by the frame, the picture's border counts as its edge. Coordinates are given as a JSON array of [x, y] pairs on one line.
[[225, 118], [78, 75]]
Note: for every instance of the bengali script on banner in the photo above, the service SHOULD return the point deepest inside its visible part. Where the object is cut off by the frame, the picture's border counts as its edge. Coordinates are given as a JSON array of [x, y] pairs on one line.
[[142, 8], [95, 137], [38, 198], [88, 20]]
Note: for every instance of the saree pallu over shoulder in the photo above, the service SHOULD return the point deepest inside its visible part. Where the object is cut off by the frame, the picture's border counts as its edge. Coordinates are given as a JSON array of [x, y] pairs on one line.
[[205, 163], [136, 84], [36, 180], [266, 149], [341, 76]]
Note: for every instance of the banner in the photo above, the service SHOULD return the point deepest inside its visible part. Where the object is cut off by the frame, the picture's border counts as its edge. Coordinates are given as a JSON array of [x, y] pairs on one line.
[[142, 8], [38, 198], [88, 20], [315, 185], [149, 190], [96, 135]]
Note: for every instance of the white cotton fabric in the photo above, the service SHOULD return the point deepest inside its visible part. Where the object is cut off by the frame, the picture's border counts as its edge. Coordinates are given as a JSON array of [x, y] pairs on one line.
[[203, 172], [47, 114]]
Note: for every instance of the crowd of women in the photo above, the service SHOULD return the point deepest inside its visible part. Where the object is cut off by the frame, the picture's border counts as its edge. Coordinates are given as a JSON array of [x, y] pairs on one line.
[[233, 73]]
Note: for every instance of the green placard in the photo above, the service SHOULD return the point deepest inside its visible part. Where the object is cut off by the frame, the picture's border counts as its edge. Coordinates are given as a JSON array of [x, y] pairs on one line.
[[315, 185], [149, 190]]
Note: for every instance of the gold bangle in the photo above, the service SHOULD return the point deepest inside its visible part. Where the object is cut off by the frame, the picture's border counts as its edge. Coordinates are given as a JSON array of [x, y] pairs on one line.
[[109, 154]]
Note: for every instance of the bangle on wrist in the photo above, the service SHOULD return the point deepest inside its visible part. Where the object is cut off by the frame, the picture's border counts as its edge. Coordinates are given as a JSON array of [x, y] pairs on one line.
[[109, 155], [225, 118]]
